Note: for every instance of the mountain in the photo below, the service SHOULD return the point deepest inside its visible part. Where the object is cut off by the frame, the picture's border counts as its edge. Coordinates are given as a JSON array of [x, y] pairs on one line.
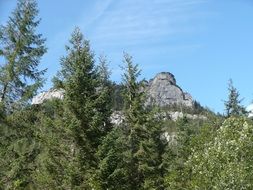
[[162, 90], [48, 95]]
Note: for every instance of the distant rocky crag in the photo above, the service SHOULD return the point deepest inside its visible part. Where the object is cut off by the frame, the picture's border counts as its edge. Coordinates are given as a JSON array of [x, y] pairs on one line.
[[48, 95], [162, 90]]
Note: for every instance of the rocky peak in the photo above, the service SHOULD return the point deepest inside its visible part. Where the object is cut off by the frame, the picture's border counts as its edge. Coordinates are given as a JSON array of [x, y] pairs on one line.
[[162, 90], [48, 95], [164, 76]]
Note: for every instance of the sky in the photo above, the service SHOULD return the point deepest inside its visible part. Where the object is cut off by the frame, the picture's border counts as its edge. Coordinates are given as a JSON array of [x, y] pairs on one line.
[[203, 43]]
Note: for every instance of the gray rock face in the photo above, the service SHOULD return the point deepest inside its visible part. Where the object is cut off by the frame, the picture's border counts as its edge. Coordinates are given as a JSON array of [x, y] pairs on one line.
[[178, 115], [163, 91], [118, 117], [48, 95]]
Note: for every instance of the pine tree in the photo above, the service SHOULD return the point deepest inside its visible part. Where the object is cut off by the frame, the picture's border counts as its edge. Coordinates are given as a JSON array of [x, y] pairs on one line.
[[22, 50], [135, 120], [233, 105], [104, 102], [131, 155], [86, 96], [56, 162], [153, 151], [19, 150], [112, 171]]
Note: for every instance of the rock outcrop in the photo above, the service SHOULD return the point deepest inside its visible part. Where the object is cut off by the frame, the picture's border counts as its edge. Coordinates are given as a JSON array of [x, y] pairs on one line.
[[163, 91], [48, 95], [178, 115], [118, 117]]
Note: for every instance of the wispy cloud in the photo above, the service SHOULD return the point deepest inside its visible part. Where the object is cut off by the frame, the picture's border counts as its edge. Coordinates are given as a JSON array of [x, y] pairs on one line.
[[97, 11], [120, 24], [139, 26], [137, 22], [144, 29]]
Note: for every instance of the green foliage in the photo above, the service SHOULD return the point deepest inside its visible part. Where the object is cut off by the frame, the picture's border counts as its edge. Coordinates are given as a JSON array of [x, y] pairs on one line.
[[112, 173], [87, 100], [71, 144], [131, 155], [117, 97], [135, 122], [189, 134], [21, 49], [225, 162], [233, 105], [154, 149], [19, 149], [55, 161]]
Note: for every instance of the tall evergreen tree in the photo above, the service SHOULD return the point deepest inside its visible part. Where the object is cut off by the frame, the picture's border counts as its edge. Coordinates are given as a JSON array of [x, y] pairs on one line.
[[22, 48], [233, 105], [131, 155], [153, 151], [105, 90], [56, 162], [86, 97], [135, 120], [19, 149], [145, 146]]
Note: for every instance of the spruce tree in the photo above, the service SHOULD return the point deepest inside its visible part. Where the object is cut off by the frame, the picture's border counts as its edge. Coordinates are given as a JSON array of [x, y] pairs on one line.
[[152, 152], [131, 155], [135, 121], [19, 149], [112, 173], [22, 48], [233, 105], [105, 90], [56, 162], [86, 97], [118, 163]]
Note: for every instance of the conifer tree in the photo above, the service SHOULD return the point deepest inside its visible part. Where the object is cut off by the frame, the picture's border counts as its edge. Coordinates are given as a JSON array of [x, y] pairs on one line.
[[152, 152], [22, 48], [104, 102], [131, 155], [86, 97], [135, 121], [19, 149], [56, 161], [233, 105]]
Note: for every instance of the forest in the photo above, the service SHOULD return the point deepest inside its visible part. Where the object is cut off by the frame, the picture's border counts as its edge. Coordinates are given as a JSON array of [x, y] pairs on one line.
[[72, 144]]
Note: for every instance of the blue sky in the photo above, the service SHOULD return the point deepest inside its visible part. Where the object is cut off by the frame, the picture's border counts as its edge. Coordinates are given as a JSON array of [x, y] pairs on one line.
[[202, 42]]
